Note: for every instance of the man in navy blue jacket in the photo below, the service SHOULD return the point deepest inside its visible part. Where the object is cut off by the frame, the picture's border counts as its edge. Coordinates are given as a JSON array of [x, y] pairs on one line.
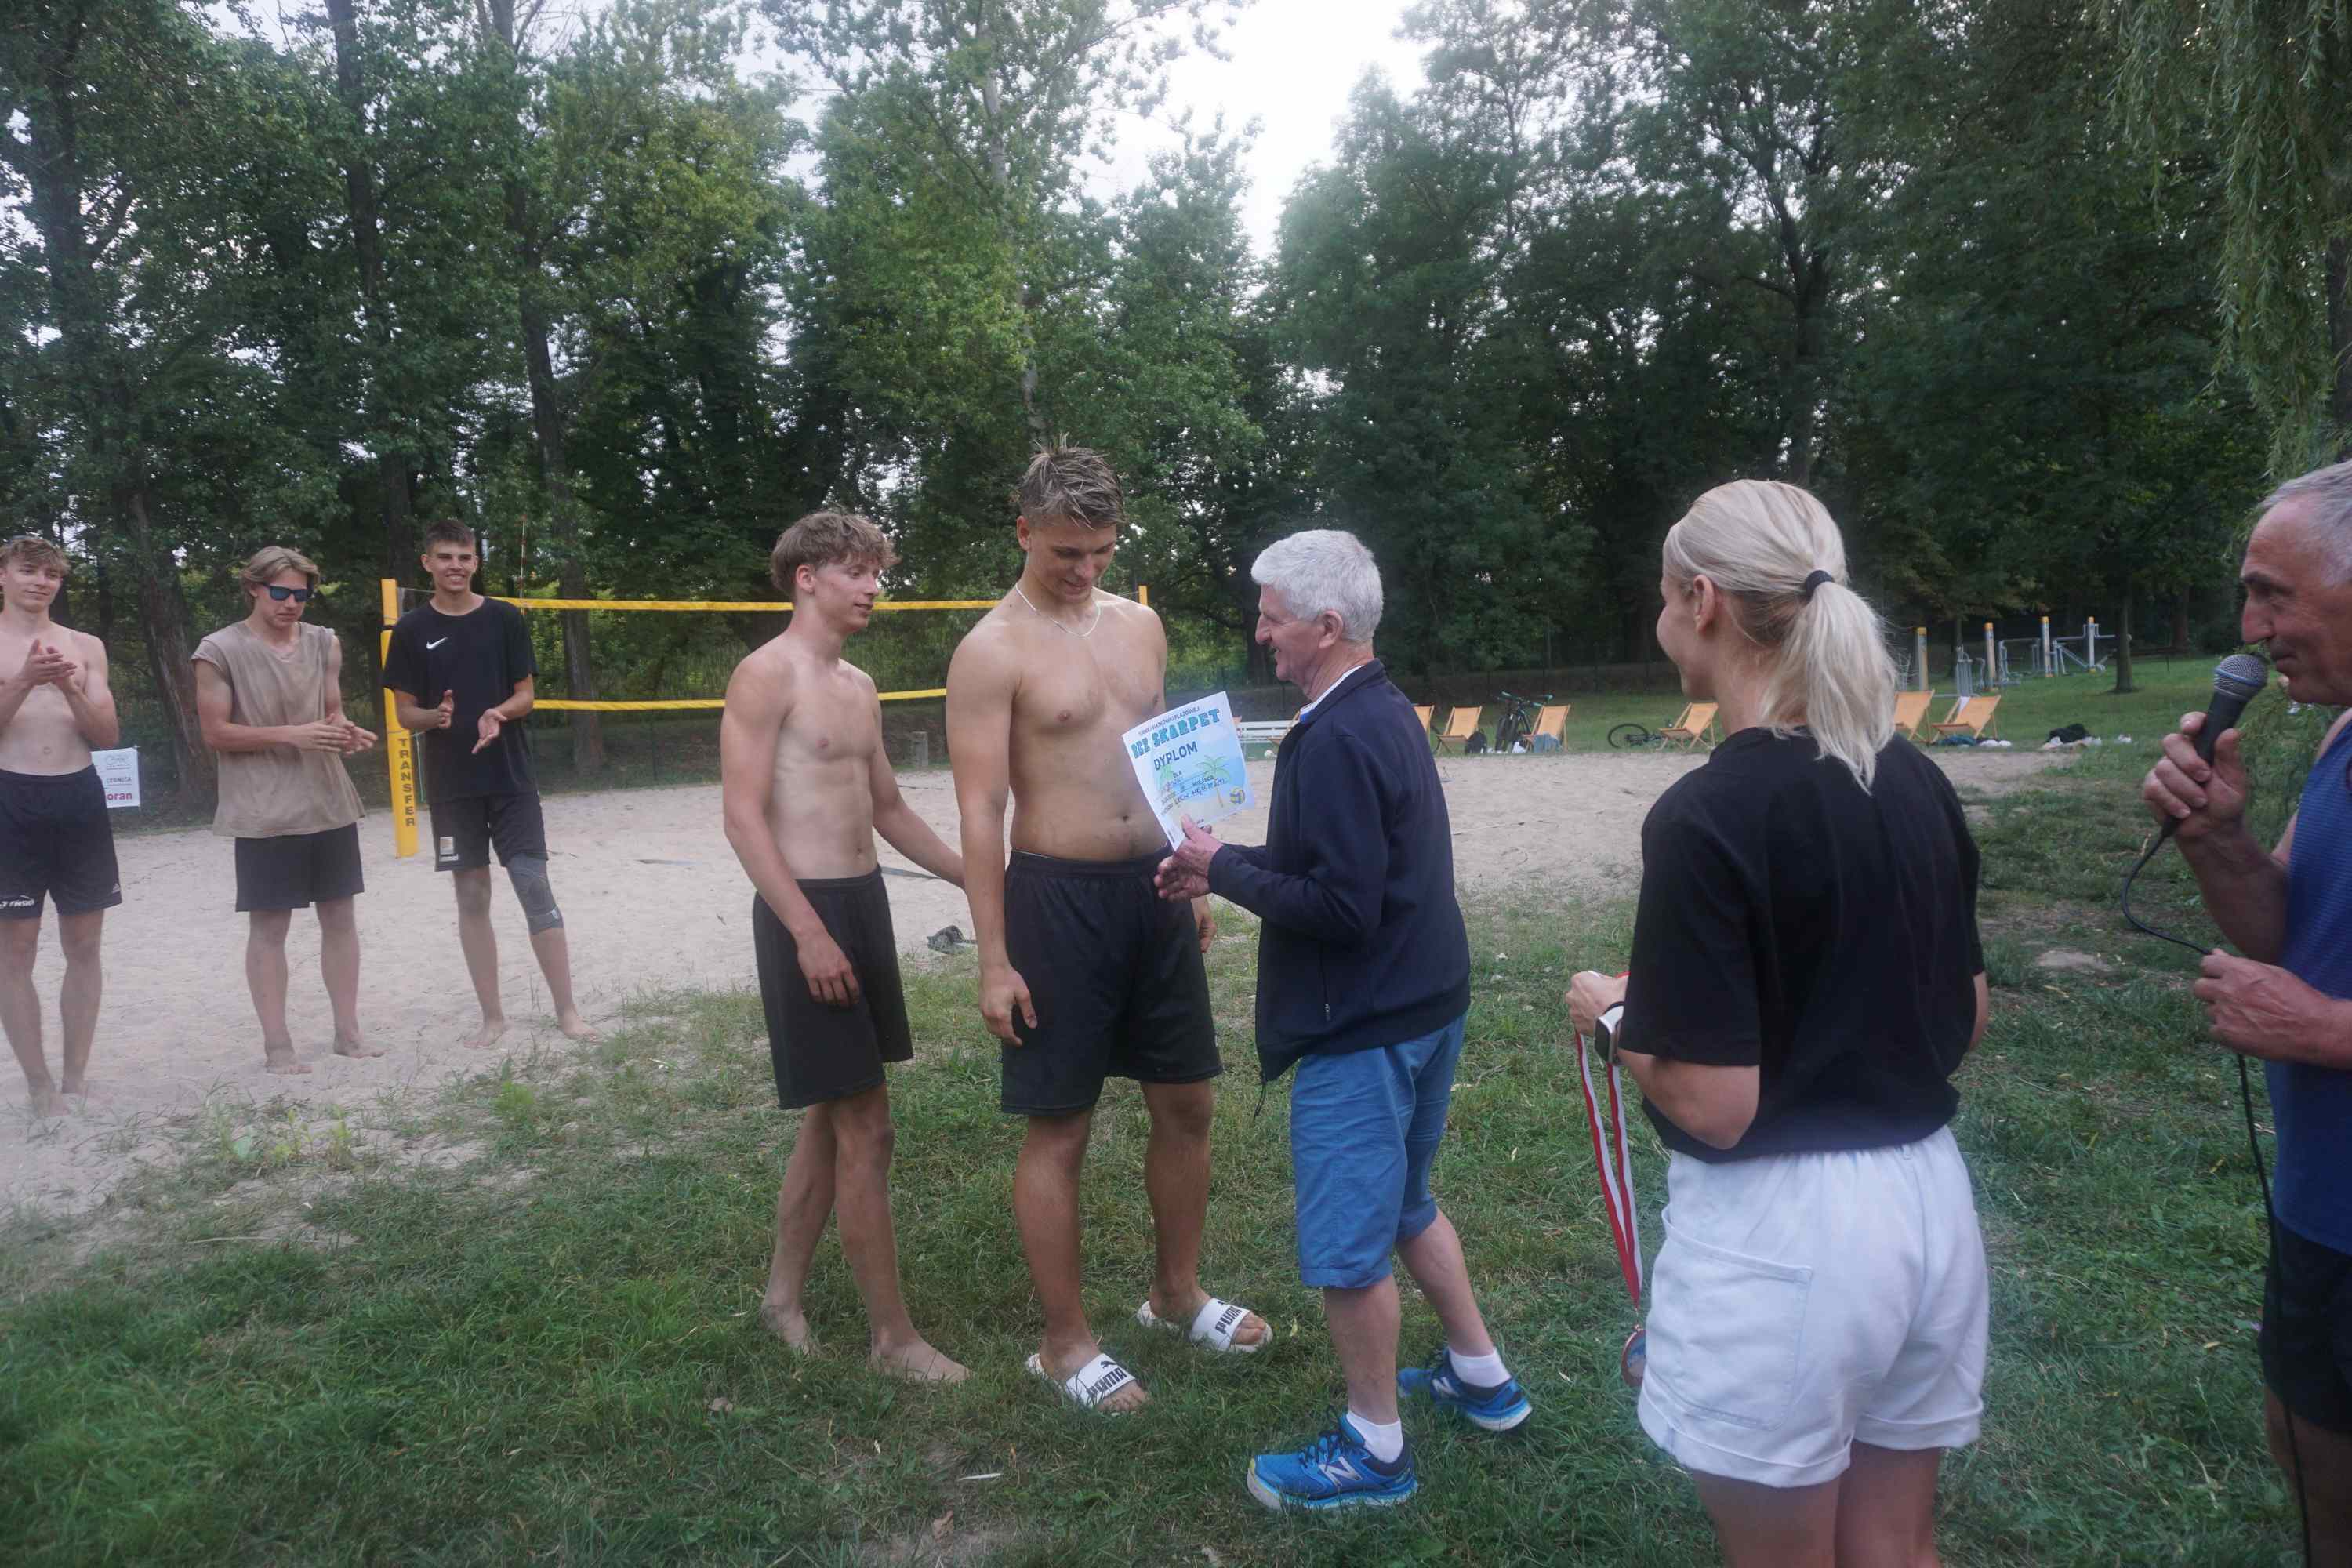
[[1363, 983]]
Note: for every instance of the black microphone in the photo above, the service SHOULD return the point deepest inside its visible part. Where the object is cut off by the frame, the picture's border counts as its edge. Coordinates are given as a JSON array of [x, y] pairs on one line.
[[2237, 680]]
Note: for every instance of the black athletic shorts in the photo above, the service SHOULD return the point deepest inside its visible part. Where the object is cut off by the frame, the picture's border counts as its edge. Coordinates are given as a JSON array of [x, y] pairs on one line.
[[1115, 977], [823, 1052], [465, 828], [55, 841], [2307, 1331], [295, 870]]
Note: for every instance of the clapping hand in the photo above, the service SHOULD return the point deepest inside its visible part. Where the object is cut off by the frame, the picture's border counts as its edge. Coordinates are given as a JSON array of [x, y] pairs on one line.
[[45, 665], [491, 722]]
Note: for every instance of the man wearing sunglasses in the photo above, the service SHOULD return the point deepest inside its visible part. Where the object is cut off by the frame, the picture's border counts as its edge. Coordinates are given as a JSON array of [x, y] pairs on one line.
[[269, 696]]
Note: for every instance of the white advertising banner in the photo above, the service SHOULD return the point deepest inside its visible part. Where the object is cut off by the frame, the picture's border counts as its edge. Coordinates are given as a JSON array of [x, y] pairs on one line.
[[118, 771]]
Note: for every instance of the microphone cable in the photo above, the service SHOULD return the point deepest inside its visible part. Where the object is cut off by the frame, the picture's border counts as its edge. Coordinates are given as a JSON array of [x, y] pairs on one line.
[[2262, 1175]]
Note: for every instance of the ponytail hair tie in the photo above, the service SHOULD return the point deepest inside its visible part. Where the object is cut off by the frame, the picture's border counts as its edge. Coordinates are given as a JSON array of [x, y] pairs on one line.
[[1813, 582]]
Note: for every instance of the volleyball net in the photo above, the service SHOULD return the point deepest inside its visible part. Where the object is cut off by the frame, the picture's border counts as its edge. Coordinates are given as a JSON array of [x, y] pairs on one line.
[[705, 665]]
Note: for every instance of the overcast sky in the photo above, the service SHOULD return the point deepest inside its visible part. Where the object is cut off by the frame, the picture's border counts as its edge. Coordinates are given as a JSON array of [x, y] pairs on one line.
[[1294, 63]]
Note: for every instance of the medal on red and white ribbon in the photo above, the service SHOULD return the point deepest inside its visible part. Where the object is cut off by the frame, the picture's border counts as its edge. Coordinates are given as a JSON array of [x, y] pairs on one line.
[[1612, 1156]]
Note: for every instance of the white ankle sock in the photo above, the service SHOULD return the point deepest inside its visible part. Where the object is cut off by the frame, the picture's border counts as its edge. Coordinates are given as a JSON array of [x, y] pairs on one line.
[[1478, 1371], [1385, 1439]]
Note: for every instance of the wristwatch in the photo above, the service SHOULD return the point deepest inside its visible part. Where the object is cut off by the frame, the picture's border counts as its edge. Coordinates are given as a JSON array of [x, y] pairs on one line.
[[1604, 1031]]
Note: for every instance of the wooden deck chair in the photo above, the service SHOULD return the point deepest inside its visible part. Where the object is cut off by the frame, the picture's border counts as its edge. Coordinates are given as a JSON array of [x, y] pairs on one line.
[[1552, 721], [1696, 723], [1459, 725], [1425, 714], [1911, 711], [1973, 714]]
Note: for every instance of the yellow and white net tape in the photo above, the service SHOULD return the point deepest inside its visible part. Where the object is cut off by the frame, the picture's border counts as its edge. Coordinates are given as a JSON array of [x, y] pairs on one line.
[[400, 749]]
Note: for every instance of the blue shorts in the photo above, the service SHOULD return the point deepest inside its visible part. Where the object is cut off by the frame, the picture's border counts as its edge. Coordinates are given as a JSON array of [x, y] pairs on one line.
[[1364, 1128]]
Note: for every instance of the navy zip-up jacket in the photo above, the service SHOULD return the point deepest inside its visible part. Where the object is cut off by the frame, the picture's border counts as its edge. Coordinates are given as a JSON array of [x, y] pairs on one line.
[[1362, 944]]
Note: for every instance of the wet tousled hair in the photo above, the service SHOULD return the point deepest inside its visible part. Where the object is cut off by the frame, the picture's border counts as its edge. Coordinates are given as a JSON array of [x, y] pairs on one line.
[[269, 561], [1072, 485], [33, 550], [448, 530], [823, 538], [1757, 541]]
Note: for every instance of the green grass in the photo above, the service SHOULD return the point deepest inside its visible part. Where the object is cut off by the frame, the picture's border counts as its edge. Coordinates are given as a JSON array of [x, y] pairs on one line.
[[550, 1352]]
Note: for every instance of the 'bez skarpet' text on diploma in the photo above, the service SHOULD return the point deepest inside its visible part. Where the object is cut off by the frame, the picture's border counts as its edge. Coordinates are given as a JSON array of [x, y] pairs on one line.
[[1189, 761]]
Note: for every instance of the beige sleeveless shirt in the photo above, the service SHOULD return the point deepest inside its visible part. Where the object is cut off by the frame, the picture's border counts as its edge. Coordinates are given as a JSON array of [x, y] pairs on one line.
[[281, 791]]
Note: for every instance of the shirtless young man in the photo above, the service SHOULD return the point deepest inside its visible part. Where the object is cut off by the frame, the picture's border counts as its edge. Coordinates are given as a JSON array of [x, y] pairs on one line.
[[478, 784], [55, 839], [269, 696], [805, 787], [1083, 974]]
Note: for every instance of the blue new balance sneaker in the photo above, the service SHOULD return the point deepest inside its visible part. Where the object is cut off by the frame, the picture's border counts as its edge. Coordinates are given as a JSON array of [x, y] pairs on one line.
[[1336, 1470], [1497, 1409]]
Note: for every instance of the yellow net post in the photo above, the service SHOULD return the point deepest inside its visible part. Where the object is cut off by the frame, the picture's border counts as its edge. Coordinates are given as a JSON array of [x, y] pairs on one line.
[[399, 750]]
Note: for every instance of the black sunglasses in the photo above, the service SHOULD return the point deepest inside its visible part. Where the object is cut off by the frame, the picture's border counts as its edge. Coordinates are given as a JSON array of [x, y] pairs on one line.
[[299, 595]]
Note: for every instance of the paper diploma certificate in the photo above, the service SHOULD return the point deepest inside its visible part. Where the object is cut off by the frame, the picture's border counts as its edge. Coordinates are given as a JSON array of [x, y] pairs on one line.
[[1189, 761]]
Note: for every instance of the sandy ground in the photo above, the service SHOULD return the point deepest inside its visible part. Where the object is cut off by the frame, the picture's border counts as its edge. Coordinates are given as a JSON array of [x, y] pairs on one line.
[[653, 900]]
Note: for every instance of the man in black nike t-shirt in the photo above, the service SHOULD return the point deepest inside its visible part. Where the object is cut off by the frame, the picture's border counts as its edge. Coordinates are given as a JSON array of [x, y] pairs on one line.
[[461, 673]]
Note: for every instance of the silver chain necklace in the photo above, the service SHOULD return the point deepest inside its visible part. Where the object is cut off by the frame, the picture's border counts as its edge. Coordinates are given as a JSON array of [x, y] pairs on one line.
[[1058, 625]]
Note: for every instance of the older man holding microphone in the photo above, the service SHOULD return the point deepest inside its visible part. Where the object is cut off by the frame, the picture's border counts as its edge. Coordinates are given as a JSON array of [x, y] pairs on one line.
[[2288, 1001], [1364, 985]]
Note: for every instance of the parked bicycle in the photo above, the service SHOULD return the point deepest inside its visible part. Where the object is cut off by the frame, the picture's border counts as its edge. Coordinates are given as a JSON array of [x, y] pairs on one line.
[[1519, 715], [1634, 738]]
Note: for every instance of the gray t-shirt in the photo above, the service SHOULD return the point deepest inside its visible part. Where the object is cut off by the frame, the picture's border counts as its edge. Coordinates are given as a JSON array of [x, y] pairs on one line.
[[281, 790]]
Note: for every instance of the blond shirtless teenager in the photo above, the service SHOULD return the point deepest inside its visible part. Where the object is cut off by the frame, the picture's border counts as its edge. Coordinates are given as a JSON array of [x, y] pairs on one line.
[[54, 839], [805, 787], [1083, 974], [269, 696]]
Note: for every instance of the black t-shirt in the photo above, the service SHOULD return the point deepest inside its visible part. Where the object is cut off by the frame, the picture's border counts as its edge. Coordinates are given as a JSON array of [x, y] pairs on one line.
[[1792, 922], [480, 656]]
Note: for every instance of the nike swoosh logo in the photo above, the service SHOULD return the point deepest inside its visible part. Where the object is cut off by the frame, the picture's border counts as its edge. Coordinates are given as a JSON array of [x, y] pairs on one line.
[[431, 646]]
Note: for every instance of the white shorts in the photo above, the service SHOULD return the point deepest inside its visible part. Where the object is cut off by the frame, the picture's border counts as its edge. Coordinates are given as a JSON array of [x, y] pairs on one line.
[[1802, 1302]]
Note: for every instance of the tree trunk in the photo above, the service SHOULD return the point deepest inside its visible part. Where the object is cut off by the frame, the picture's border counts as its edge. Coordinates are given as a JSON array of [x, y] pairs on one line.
[[400, 543], [104, 406], [2339, 341], [2127, 593], [547, 424], [2184, 606], [163, 617]]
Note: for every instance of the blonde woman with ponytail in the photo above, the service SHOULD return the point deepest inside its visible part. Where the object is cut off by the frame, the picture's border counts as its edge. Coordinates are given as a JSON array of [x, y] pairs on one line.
[[1806, 977]]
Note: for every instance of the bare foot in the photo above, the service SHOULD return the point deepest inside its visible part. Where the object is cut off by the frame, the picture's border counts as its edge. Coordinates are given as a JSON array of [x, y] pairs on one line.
[[1131, 1397], [346, 1045], [280, 1059], [1250, 1330], [578, 1028], [48, 1101], [483, 1039], [788, 1325], [918, 1362]]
